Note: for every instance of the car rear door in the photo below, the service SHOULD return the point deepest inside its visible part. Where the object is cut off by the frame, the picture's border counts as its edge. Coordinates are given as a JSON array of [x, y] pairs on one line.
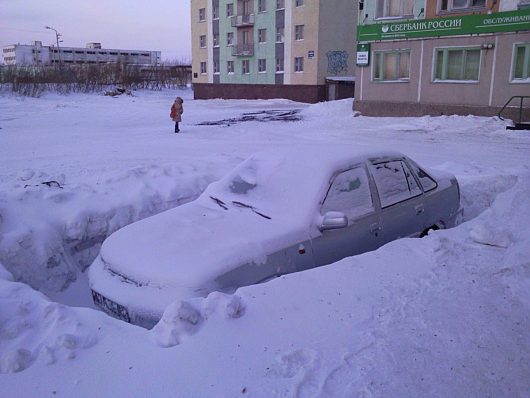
[[401, 199], [350, 193]]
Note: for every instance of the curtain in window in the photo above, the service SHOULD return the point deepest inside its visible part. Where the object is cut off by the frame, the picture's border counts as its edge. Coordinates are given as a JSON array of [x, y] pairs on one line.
[[472, 65], [455, 60], [404, 61], [390, 65]]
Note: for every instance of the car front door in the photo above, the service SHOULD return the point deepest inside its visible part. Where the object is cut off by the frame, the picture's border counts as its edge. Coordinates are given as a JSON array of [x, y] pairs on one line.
[[350, 193], [401, 199]]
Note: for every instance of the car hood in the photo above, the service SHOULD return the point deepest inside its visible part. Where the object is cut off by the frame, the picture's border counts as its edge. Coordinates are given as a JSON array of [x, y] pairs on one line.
[[191, 245]]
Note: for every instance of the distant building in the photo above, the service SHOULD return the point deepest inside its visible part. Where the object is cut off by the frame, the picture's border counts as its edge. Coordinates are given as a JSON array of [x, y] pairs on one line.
[[297, 49], [420, 57], [37, 54]]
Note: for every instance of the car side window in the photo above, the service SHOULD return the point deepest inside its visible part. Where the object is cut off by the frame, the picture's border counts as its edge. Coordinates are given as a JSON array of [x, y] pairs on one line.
[[426, 181], [349, 193], [395, 182]]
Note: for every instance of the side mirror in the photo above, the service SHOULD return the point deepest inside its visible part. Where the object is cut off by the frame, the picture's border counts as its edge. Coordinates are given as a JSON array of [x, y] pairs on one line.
[[333, 220]]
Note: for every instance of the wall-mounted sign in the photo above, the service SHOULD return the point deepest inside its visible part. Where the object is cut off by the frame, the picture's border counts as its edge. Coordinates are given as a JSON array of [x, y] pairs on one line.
[[510, 21], [310, 54], [363, 54]]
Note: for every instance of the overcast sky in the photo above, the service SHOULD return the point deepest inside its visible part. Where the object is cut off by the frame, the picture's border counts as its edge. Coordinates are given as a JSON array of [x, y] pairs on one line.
[[157, 25]]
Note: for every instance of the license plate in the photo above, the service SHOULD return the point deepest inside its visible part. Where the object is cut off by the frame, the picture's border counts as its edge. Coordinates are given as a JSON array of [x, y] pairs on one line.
[[110, 307]]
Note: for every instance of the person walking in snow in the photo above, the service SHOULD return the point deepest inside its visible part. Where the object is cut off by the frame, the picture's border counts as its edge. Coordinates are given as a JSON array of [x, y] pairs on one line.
[[177, 109]]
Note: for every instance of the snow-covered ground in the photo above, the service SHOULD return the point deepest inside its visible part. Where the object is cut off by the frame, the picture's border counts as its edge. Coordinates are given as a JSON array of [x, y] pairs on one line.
[[443, 316]]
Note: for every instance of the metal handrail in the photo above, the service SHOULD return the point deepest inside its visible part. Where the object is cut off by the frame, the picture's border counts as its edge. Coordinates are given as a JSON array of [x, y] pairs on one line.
[[521, 97]]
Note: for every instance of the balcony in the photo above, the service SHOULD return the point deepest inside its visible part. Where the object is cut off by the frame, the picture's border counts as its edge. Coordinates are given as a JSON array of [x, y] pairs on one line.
[[243, 50], [239, 21]]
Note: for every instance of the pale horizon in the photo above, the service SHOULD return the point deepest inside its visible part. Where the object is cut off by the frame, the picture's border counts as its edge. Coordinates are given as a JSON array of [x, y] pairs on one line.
[[157, 25]]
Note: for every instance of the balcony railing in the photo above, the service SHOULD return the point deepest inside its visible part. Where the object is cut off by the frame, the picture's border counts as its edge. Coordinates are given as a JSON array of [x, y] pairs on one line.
[[242, 20], [243, 50]]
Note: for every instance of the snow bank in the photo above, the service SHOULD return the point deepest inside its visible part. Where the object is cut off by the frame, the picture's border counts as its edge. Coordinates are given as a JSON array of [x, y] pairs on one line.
[[33, 329]]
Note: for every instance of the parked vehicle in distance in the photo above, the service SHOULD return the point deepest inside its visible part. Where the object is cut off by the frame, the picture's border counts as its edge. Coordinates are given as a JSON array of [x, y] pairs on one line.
[[276, 213]]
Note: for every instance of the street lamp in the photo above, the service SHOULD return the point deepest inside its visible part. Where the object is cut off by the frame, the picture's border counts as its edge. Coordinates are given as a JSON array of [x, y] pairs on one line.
[[57, 35]]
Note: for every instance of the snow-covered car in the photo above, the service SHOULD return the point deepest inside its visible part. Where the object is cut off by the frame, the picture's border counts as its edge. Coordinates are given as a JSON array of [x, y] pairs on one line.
[[276, 213]]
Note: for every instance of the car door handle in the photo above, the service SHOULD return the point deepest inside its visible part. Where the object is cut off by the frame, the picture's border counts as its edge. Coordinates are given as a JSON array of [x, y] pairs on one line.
[[419, 209], [375, 227]]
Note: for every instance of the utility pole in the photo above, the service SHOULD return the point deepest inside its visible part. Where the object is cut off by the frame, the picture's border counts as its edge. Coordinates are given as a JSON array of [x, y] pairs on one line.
[[57, 36]]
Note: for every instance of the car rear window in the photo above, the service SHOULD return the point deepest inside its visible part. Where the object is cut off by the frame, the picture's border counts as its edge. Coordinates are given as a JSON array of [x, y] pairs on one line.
[[427, 182], [395, 182]]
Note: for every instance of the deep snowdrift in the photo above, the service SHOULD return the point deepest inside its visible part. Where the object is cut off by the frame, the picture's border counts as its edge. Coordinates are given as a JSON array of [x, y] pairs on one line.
[[446, 315]]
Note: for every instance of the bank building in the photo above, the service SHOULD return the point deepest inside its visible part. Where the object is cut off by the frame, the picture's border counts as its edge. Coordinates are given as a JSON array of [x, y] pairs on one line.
[[435, 57]]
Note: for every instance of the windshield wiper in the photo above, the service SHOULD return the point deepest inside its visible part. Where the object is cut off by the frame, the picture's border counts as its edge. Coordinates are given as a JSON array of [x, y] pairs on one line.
[[241, 204], [219, 202]]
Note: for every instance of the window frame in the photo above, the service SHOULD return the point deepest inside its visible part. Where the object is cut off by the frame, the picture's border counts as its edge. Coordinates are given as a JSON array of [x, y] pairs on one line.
[[204, 68], [402, 161], [202, 14], [230, 39], [261, 39], [203, 41], [385, 7], [441, 80], [526, 62], [298, 62], [262, 62], [229, 10], [280, 4], [299, 3], [262, 6], [298, 32], [245, 67], [280, 31], [452, 9], [280, 62], [216, 68], [382, 66], [368, 178], [230, 67], [216, 40]]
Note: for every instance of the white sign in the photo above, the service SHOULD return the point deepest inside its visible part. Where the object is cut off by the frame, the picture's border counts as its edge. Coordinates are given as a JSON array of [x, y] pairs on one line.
[[362, 58]]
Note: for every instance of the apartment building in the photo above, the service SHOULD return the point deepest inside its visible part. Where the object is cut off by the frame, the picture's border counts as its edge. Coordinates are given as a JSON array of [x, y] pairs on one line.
[[418, 57], [296, 49], [37, 54]]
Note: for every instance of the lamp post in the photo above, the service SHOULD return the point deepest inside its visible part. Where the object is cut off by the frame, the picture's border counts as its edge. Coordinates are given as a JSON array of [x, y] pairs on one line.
[[57, 35]]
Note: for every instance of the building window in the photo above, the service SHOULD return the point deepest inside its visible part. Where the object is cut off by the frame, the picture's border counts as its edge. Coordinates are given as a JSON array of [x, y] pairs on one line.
[[230, 67], [262, 5], [299, 3], [262, 65], [262, 35], [229, 10], [299, 32], [391, 65], [299, 64], [394, 8], [245, 66], [216, 40], [450, 5], [202, 41], [203, 68], [280, 4], [215, 12], [202, 14], [521, 62], [279, 65], [461, 64], [230, 39], [279, 35], [216, 67]]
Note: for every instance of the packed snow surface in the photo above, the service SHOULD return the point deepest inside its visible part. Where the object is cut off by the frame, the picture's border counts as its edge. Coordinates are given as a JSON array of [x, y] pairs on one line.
[[446, 315]]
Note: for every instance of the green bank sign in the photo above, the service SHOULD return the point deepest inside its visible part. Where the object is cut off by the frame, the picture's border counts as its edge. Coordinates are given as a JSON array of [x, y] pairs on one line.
[[510, 21]]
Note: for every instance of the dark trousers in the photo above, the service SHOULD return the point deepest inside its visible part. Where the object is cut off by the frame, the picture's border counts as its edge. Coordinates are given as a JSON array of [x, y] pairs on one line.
[[177, 127]]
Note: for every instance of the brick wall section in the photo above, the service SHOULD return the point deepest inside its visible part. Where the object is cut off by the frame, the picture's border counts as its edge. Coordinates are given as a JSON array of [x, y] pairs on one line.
[[300, 93], [380, 108]]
